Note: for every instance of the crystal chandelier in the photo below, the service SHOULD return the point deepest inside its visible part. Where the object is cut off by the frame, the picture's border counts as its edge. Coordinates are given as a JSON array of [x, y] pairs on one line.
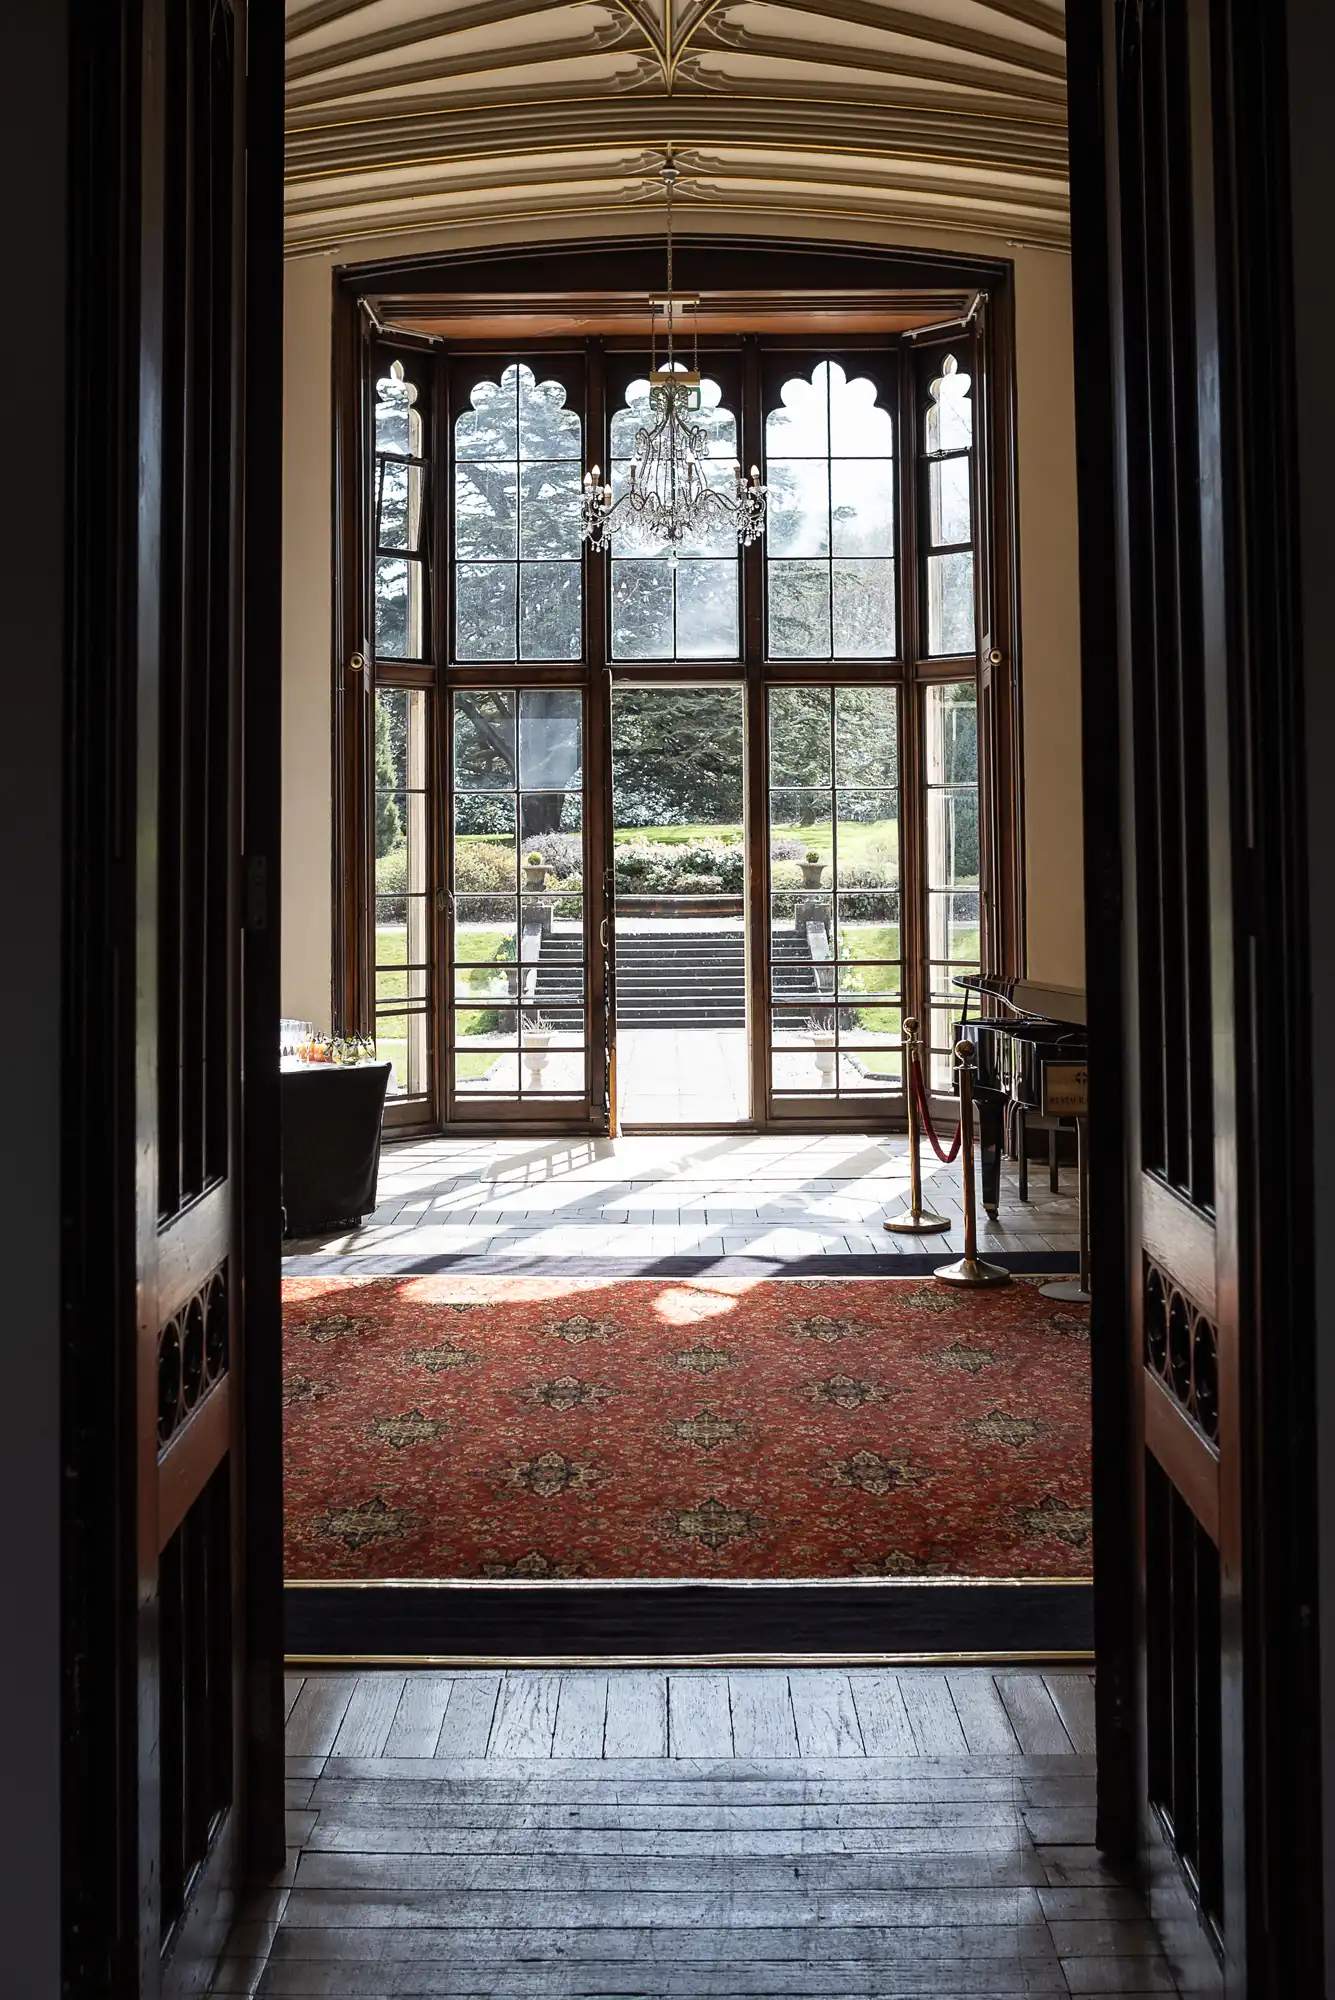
[[669, 498]]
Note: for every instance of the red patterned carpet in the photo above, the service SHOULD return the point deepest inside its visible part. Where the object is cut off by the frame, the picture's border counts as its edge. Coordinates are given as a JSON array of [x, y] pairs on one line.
[[652, 1427]]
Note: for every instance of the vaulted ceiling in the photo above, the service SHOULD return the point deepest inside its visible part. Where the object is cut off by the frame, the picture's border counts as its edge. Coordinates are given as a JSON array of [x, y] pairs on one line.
[[410, 117]]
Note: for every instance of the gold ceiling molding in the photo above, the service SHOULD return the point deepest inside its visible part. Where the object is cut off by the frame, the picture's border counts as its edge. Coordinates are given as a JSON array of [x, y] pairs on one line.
[[406, 116]]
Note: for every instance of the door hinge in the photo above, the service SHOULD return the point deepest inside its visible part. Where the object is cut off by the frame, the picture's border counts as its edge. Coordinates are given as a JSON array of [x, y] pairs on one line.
[[257, 893]]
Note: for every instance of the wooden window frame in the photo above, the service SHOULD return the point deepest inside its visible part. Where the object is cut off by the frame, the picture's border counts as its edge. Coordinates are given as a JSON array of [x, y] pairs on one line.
[[369, 332]]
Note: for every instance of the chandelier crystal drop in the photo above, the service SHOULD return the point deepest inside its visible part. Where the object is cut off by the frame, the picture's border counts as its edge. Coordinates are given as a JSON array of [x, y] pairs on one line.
[[669, 498]]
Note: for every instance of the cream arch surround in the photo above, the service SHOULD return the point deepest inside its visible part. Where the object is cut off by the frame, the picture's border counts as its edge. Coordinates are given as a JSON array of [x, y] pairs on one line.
[[408, 117], [406, 140]]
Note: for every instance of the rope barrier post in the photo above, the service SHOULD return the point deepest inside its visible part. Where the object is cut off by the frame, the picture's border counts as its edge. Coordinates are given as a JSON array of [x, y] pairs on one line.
[[1076, 1291], [970, 1269], [916, 1220]]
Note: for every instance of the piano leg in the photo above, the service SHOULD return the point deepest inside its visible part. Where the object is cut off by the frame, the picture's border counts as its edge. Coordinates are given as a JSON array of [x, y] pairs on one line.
[[991, 1122], [1022, 1151]]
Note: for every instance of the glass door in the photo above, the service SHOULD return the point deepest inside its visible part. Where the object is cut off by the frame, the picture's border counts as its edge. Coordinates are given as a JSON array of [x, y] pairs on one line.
[[519, 940], [679, 862], [836, 959]]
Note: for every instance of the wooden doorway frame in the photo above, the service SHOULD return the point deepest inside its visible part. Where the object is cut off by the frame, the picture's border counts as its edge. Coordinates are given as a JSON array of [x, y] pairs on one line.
[[172, 1689], [1182, 221]]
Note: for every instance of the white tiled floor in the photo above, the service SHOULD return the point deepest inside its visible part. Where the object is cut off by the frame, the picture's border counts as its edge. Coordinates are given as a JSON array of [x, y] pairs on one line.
[[682, 1076], [705, 1194]]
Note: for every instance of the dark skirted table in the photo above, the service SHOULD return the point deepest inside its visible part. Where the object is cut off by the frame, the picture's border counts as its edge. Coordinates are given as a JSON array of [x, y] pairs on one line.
[[332, 1114]]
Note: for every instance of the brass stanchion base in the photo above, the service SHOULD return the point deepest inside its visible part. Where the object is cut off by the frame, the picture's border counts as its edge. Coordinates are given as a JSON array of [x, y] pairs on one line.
[[973, 1271], [923, 1223], [1069, 1289]]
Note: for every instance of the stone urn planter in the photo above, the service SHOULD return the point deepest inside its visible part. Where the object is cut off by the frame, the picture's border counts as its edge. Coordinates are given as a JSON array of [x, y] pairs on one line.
[[813, 870], [537, 1052], [535, 873], [823, 1040]]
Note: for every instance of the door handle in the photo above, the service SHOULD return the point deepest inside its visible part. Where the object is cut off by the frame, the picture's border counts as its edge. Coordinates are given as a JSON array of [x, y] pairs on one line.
[[602, 933]]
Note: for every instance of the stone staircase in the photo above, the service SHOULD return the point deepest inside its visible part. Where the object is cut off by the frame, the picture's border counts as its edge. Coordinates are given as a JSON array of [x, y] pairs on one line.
[[679, 979]]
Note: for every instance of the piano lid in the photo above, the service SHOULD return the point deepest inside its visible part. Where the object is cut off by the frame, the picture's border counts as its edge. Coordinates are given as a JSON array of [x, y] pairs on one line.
[[1028, 997]]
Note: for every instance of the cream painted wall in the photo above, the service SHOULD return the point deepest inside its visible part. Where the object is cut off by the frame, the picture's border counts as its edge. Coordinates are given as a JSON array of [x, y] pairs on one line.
[[307, 615], [1049, 595], [1049, 620]]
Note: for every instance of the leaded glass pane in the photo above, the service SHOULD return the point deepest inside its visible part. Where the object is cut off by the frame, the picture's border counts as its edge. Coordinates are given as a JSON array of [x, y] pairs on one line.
[[864, 609], [707, 610], [950, 606], [799, 610], [484, 611], [550, 598]]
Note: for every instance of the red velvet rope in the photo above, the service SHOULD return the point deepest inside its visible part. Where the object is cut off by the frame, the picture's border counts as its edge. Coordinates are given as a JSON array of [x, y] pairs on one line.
[[924, 1113]]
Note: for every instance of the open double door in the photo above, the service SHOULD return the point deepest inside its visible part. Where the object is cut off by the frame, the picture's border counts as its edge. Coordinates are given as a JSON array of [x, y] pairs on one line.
[[1204, 1352], [171, 1459], [1204, 1440]]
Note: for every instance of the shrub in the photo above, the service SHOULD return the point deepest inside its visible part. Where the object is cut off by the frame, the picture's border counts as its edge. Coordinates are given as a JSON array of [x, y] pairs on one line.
[[482, 866], [656, 868], [391, 883]]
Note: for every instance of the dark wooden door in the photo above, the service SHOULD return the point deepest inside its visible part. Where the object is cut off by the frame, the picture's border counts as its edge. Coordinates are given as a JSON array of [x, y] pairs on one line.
[[173, 1697], [1202, 1343]]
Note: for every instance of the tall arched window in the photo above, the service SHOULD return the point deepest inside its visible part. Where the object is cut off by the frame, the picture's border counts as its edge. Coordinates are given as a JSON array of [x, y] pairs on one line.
[[687, 607], [948, 450], [830, 545], [518, 578], [400, 493], [768, 757]]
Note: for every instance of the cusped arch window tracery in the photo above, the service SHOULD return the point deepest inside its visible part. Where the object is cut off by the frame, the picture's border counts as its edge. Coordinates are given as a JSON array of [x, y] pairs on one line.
[[400, 492], [830, 545], [948, 448], [518, 589], [687, 607]]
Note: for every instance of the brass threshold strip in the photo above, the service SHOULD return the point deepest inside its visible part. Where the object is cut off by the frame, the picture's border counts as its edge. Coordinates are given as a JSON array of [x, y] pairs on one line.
[[669, 1583], [555, 1661]]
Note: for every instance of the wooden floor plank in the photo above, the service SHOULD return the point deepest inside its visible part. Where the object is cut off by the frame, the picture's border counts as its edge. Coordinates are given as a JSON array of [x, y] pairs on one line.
[[317, 1713], [619, 1944], [553, 1978], [762, 1714], [355, 1785], [468, 1713], [581, 1715], [636, 1723], [827, 1723], [330, 1836], [1033, 1718], [982, 1713], [1006, 1865], [699, 1716], [813, 1833], [882, 1716], [1073, 1698], [931, 1712], [292, 1686], [415, 1730], [427, 1909], [369, 1716], [343, 1821], [525, 1717]]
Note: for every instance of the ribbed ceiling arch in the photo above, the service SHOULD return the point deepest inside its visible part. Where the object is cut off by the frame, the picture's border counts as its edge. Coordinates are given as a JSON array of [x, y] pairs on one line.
[[408, 116]]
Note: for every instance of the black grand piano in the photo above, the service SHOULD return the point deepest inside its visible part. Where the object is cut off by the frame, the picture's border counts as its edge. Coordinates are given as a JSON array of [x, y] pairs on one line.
[[1030, 1046]]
